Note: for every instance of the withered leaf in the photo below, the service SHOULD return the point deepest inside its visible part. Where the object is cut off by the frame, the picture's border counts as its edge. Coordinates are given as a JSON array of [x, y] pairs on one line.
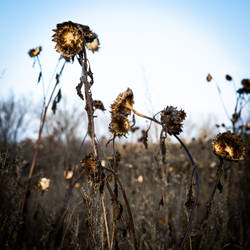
[[78, 89], [39, 77]]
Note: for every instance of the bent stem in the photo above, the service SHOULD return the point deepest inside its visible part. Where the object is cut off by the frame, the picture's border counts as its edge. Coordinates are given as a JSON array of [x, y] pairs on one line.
[[35, 155]]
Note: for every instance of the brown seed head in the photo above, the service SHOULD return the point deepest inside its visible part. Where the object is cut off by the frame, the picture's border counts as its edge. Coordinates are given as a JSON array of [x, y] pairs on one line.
[[69, 39], [246, 86], [228, 78], [119, 125], [172, 119], [122, 102], [229, 146], [90, 165], [35, 52], [92, 169], [209, 78]]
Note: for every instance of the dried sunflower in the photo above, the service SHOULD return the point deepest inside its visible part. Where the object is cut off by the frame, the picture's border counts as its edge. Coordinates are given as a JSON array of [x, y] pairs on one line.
[[228, 78], [209, 78], [229, 146], [91, 167], [119, 125], [35, 52], [172, 119], [246, 87], [90, 164], [71, 37], [123, 103]]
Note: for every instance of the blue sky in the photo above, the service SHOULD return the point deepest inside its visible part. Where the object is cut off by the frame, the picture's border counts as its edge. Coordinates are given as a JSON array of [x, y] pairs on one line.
[[162, 50]]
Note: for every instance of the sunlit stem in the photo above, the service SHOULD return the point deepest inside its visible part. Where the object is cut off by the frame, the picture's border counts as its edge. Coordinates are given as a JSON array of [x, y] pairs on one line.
[[141, 115]]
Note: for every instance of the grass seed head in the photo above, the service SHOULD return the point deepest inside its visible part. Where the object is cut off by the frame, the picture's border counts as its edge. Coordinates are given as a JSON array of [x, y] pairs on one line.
[[122, 103], [172, 119], [119, 125], [35, 52], [229, 146]]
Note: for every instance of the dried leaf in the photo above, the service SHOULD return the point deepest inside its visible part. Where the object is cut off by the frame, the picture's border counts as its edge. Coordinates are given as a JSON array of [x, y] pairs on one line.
[[39, 77], [78, 89], [56, 101], [144, 138]]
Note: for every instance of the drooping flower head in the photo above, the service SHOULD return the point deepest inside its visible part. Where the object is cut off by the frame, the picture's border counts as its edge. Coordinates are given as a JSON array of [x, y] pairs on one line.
[[229, 146], [172, 119], [35, 52], [122, 102], [246, 87], [71, 37], [119, 125]]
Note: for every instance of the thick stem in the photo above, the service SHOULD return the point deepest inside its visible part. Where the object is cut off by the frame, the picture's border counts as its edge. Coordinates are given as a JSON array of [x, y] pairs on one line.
[[89, 102]]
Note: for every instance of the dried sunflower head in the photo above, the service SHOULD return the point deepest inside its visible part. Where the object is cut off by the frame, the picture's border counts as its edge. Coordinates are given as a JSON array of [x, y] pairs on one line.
[[71, 37], [209, 78], [91, 167], [246, 87], [90, 164], [228, 78], [35, 52], [119, 125], [172, 119], [229, 146], [122, 103]]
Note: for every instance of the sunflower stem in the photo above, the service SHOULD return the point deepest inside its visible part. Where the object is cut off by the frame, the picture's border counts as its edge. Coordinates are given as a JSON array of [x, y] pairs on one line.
[[89, 101]]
